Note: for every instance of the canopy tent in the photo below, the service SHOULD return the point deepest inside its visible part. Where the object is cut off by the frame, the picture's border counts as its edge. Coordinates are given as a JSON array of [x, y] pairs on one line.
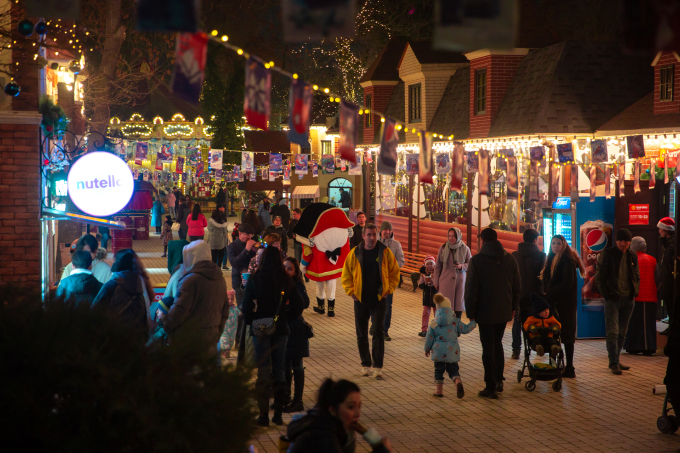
[[305, 192]]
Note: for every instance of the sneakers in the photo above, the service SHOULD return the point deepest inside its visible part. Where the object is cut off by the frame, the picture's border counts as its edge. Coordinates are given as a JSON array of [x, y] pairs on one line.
[[387, 337], [515, 354], [365, 371], [539, 350], [164, 256], [294, 406], [422, 334], [624, 367], [225, 267], [488, 393], [439, 392], [377, 374], [460, 392], [616, 369]]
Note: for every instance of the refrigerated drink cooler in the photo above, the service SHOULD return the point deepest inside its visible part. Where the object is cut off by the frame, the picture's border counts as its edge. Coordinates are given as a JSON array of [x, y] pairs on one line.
[[587, 227]]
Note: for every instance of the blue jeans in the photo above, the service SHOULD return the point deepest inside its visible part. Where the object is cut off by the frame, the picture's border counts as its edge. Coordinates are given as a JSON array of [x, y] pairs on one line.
[[441, 367], [270, 357], [388, 312], [617, 315], [517, 333]]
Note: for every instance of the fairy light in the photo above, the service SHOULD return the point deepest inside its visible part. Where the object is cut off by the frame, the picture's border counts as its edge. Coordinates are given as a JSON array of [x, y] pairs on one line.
[[225, 38]]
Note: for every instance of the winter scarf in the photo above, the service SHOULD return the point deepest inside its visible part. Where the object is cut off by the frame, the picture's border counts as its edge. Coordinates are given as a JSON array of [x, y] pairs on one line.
[[458, 249]]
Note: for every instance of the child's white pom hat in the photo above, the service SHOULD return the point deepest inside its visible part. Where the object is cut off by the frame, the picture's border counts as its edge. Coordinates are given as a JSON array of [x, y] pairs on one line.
[[441, 302]]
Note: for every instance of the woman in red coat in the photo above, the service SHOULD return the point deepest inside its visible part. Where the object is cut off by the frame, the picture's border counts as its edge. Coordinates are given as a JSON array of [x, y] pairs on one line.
[[197, 224], [641, 337]]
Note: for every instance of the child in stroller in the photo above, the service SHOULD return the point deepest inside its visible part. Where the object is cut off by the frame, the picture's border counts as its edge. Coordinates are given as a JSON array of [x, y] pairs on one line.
[[543, 329]]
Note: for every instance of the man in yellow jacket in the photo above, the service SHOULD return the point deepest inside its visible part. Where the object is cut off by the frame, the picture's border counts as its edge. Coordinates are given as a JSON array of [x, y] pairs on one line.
[[370, 273]]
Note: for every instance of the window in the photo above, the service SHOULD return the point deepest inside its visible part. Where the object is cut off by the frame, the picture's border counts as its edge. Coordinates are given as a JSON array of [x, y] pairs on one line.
[[369, 107], [480, 92], [414, 104], [326, 147], [666, 83]]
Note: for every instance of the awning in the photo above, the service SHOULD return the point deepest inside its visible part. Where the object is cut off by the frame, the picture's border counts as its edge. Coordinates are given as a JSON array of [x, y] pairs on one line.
[[305, 192]]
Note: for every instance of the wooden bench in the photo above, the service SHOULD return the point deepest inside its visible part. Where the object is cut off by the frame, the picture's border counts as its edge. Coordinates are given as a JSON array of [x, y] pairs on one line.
[[412, 264]]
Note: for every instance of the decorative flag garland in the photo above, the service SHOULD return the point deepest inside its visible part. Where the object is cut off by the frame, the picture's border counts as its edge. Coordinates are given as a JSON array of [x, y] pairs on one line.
[[300, 105], [256, 106], [349, 120], [425, 158]]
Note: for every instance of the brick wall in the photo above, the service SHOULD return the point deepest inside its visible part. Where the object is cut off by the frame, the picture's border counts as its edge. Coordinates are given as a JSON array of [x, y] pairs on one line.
[[380, 96], [500, 70], [19, 204], [666, 59]]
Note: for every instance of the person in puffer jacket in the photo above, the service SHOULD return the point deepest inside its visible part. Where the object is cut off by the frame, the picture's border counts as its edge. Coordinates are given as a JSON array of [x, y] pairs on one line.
[[441, 344]]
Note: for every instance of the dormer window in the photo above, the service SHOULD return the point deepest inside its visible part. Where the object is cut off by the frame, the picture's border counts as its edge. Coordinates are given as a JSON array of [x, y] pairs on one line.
[[480, 92], [414, 103], [666, 91]]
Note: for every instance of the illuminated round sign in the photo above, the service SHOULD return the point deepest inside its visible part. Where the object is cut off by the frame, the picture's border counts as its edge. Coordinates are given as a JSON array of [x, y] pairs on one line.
[[100, 184]]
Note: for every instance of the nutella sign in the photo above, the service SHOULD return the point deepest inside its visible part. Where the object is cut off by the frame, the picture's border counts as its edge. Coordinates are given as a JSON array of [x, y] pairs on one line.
[[100, 184]]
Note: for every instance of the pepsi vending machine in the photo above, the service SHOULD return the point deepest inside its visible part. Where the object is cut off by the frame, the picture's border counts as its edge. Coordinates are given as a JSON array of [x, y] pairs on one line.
[[588, 230]]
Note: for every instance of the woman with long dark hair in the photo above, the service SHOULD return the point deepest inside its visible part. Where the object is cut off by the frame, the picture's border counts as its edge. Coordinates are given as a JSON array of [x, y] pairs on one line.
[[270, 294], [251, 219], [331, 425], [559, 283], [129, 292], [196, 224]]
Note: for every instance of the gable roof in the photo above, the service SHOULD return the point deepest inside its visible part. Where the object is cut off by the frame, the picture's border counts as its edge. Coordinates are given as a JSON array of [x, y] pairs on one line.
[[384, 67], [453, 112], [427, 55], [395, 109], [571, 87], [640, 117]]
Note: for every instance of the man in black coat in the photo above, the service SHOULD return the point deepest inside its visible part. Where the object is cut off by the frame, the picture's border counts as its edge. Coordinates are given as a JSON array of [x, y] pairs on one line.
[[618, 279], [358, 230], [345, 201], [530, 261], [80, 288], [492, 292]]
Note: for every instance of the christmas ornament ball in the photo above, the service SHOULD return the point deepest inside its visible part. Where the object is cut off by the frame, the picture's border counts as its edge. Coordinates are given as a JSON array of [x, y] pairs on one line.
[[41, 28], [12, 89], [26, 27]]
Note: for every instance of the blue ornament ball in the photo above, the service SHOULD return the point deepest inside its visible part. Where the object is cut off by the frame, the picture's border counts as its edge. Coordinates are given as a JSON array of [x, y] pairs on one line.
[[41, 28], [12, 89], [26, 27]]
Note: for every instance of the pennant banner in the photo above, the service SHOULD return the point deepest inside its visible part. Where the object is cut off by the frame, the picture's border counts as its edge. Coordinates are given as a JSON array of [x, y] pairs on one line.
[[593, 176], [425, 158], [256, 105], [636, 146], [355, 169], [247, 160], [389, 139], [159, 162], [608, 182], [301, 164], [275, 164], [349, 120], [565, 153], [636, 176], [236, 173], [252, 175], [484, 172], [215, 158], [533, 181], [166, 153], [573, 183], [286, 172], [141, 152], [536, 153], [300, 104], [511, 179], [199, 168], [191, 50], [327, 164], [622, 177], [443, 161], [265, 173], [457, 171], [315, 170], [411, 164], [218, 176], [652, 173], [555, 169], [179, 165], [598, 151]]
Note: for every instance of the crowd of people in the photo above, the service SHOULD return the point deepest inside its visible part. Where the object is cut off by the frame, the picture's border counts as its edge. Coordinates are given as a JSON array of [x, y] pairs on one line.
[[261, 316]]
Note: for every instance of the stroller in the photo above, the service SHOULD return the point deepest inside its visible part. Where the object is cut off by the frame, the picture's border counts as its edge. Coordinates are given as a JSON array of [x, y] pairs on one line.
[[552, 371], [668, 423]]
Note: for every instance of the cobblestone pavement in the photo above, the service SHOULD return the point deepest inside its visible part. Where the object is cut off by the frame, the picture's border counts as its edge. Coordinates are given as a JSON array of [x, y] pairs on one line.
[[596, 412]]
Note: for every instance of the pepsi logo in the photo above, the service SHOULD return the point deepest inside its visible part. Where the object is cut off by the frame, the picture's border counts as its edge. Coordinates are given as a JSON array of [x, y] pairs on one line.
[[596, 240]]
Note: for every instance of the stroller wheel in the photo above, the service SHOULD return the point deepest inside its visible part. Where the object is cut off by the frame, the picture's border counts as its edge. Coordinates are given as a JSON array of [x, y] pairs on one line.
[[530, 386], [520, 375], [557, 385], [664, 424], [674, 423]]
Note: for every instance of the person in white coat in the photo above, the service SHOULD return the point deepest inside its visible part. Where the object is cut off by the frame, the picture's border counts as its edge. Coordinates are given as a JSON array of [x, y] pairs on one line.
[[387, 238], [451, 269]]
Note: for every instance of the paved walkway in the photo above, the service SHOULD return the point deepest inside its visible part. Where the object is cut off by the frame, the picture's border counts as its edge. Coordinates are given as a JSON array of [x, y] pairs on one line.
[[596, 412]]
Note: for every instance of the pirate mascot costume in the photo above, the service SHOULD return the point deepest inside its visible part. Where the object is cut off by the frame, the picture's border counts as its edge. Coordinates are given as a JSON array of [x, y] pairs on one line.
[[324, 230]]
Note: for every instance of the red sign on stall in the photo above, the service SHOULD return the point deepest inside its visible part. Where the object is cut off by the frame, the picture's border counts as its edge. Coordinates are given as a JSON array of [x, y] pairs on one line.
[[638, 214]]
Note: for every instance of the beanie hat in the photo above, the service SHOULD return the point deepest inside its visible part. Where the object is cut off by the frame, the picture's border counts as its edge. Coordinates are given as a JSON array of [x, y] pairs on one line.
[[624, 234], [441, 302], [428, 258], [667, 224], [638, 244], [245, 228], [538, 304], [385, 226], [165, 303]]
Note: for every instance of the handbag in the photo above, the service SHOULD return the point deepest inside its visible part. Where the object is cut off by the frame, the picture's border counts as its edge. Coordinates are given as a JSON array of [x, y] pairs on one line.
[[265, 327], [175, 226], [309, 330]]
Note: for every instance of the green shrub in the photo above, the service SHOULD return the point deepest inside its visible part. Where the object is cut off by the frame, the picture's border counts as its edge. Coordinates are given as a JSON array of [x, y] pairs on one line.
[[78, 381]]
